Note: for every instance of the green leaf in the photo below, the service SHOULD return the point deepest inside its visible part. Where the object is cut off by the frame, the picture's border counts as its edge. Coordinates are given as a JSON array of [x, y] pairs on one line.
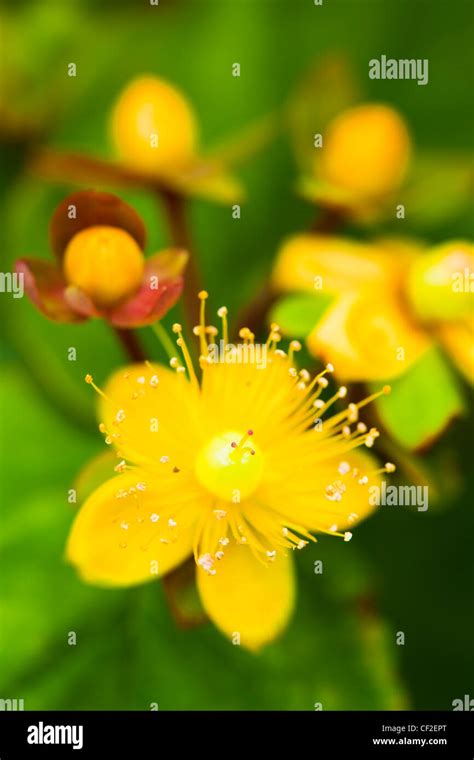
[[298, 313], [422, 402]]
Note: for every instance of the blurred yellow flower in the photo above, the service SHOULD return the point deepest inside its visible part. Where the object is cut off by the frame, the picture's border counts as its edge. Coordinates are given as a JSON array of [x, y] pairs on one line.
[[155, 131], [363, 160], [153, 126], [239, 467], [390, 301]]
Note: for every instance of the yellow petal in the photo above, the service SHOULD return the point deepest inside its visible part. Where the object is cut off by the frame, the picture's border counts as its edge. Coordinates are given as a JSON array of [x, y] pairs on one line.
[[116, 540], [367, 337], [458, 340], [303, 500], [150, 412], [331, 264], [247, 599]]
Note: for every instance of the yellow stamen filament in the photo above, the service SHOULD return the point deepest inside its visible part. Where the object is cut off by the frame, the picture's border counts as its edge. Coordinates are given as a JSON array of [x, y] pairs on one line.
[[203, 295], [222, 313], [177, 329], [90, 381]]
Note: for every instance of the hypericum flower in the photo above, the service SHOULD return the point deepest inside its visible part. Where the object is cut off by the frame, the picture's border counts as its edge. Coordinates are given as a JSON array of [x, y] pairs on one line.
[[155, 132], [239, 467], [101, 271], [390, 301], [362, 161]]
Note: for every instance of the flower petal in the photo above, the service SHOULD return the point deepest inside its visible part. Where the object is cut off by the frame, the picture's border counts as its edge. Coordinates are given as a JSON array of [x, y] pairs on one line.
[[304, 501], [45, 286], [93, 208], [161, 287], [167, 264], [367, 337], [339, 263], [458, 340], [248, 598], [151, 412], [147, 306], [117, 540], [80, 302]]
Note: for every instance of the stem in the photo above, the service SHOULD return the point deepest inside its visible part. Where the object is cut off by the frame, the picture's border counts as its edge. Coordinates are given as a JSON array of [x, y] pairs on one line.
[[183, 601], [327, 221], [130, 344], [175, 210], [164, 339]]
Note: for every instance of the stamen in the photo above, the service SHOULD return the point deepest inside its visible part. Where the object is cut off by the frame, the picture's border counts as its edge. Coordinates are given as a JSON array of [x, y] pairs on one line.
[[384, 392], [178, 330], [222, 313], [202, 295], [295, 345], [90, 381]]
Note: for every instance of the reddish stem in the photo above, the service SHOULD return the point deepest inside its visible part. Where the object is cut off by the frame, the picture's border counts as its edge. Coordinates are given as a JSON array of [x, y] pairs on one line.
[[175, 209], [131, 344]]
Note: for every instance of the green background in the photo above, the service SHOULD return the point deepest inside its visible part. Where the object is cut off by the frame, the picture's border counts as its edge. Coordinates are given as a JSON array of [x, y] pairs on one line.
[[405, 570]]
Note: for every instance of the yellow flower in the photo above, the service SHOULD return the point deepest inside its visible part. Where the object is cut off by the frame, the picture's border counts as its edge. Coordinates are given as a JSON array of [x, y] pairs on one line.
[[155, 133], [239, 467], [391, 301], [363, 160]]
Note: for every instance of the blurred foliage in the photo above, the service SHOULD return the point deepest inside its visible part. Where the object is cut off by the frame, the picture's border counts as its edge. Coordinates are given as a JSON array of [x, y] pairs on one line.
[[298, 313], [407, 571], [439, 401]]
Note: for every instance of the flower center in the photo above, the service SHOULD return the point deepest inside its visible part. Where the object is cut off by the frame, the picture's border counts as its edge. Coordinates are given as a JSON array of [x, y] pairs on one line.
[[230, 466], [105, 262]]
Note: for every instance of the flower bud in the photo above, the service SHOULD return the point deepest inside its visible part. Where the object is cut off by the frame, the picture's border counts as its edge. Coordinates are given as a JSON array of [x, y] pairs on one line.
[[153, 127], [441, 283], [104, 262], [366, 151]]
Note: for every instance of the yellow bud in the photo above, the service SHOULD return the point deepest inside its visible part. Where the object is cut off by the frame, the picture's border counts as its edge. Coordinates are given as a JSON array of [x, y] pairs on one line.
[[441, 283], [105, 262], [366, 151], [153, 127]]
